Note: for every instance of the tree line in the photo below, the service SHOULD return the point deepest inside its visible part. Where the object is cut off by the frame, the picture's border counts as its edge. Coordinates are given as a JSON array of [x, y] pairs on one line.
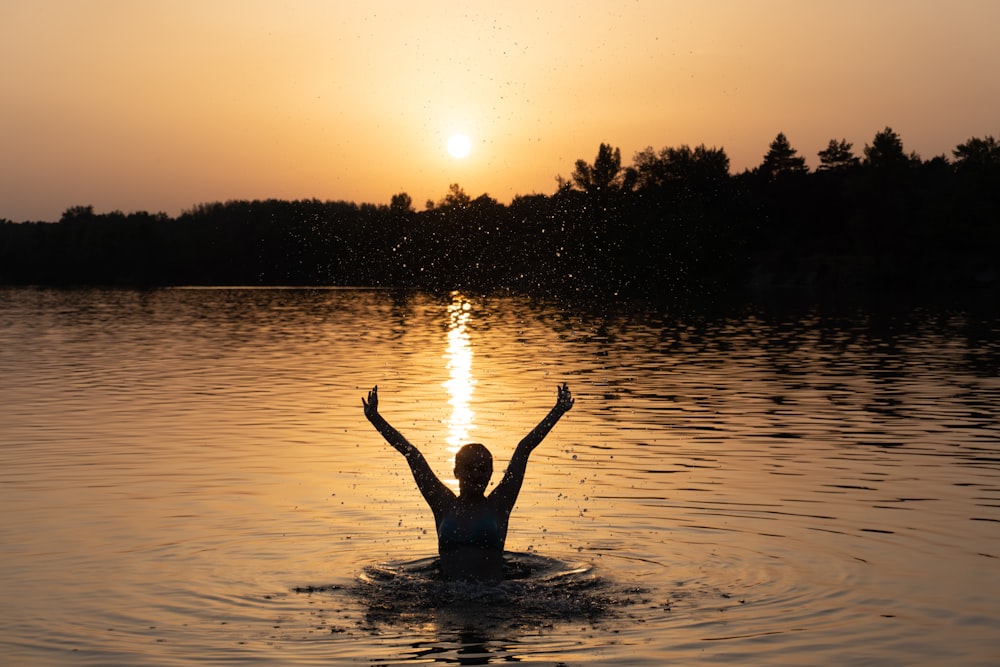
[[674, 223]]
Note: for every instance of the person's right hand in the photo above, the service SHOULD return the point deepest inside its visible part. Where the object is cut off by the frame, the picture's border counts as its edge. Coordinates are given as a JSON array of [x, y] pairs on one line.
[[565, 400], [371, 405]]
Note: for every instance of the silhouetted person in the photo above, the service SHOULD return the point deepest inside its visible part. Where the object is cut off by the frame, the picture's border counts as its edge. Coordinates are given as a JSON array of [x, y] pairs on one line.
[[471, 527]]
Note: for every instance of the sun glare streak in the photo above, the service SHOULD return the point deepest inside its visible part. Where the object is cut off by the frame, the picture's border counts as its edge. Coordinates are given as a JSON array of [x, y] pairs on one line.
[[460, 381]]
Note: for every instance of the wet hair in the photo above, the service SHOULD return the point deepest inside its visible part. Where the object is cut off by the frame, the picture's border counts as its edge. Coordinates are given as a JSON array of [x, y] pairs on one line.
[[474, 463]]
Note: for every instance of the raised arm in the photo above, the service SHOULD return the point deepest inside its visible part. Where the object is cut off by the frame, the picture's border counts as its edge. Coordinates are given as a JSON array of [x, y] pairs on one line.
[[434, 491], [508, 488]]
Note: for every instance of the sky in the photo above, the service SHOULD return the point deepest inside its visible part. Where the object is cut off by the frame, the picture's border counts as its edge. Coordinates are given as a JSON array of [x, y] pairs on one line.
[[137, 105]]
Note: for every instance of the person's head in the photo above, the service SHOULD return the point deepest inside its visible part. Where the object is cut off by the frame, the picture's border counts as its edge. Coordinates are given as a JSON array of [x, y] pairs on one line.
[[473, 467]]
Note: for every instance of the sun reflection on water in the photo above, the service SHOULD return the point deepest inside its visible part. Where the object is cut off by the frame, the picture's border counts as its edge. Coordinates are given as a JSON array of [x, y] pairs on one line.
[[460, 382]]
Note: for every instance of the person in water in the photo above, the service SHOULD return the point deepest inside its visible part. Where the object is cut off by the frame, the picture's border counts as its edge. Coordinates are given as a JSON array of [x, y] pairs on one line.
[[472, 526]]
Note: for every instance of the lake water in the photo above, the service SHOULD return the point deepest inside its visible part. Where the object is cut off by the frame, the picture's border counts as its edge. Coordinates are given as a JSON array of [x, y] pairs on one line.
[[186, 476]]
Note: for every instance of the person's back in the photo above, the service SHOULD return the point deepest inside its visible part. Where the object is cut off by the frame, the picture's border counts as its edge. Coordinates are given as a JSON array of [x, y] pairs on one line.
[[471, 527], [470, 542]]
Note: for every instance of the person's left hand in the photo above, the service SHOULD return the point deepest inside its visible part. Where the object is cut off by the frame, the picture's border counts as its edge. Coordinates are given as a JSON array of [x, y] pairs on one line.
[[371, 405]]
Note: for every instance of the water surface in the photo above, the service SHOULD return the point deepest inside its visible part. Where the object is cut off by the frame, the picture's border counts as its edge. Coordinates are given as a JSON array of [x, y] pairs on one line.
[[187, 477]]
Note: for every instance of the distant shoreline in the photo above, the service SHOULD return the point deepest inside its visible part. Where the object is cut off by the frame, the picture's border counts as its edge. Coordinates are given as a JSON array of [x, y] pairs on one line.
[[675, 226]]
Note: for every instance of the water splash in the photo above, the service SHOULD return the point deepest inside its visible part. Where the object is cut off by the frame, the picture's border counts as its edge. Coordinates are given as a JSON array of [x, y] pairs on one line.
[[537, 591]]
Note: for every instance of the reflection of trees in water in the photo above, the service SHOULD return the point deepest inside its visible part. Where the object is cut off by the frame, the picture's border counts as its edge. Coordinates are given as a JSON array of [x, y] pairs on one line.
[[675, 223]]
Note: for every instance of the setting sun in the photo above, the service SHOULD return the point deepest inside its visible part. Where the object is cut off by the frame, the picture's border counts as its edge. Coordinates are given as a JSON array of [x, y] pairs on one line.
[[459, 145]]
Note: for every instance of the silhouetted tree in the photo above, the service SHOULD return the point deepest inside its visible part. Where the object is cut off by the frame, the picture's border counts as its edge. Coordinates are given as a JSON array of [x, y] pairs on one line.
[[77, 213], [456, 197], [401, 203], [977, 200], [696, 167], [605, 175], [837, 155], [978, 154], [781, 158], [886, 151]]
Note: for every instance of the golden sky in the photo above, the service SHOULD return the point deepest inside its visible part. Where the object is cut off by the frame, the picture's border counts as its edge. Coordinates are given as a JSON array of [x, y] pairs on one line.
[[158, 106]]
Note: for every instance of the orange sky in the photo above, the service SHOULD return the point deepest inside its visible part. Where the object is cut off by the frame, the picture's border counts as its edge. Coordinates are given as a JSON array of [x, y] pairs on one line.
[[158, 106]]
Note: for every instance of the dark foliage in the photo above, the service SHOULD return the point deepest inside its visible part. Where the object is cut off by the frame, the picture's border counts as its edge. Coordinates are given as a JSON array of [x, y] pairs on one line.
[[674, 225]]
